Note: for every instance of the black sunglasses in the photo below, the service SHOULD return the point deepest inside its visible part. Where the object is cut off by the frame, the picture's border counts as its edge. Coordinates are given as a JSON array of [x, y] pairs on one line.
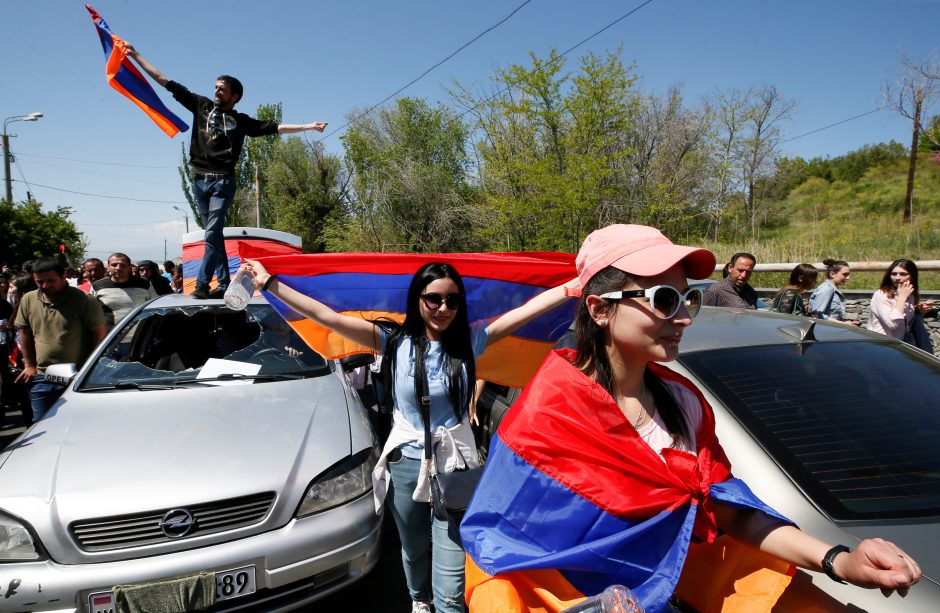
[[434, 301]]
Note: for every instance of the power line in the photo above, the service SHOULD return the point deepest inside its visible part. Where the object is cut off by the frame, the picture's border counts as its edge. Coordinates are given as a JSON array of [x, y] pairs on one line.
[[69, 191], [52, 157], [832, 125], [142, 223], [100, 174], [560, 57], [426, 72]]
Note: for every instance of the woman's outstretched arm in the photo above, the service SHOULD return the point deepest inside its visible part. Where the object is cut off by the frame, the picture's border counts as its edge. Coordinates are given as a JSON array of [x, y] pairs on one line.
[[357, 330], [873, 563], [510, 321]]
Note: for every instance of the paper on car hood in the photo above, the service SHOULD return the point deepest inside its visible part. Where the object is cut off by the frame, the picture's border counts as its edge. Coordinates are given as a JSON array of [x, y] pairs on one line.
[[103, 454]]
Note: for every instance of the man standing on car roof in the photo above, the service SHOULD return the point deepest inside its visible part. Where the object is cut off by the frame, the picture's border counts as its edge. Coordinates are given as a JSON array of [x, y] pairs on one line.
[[58, 324], [217, 138], [734, 291]]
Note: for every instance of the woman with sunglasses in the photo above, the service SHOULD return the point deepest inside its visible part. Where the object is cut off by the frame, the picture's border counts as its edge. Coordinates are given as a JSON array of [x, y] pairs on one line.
[[607, 470], [436, 311]]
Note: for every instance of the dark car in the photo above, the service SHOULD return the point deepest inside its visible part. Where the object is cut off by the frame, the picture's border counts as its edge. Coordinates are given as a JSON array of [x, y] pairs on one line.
[[834, 426]]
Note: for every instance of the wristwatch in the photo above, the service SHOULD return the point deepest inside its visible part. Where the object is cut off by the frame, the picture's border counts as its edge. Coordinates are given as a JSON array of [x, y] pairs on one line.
[[829, 558]]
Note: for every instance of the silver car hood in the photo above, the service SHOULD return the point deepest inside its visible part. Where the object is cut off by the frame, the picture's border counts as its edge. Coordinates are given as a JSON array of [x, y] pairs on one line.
[[103, 454]]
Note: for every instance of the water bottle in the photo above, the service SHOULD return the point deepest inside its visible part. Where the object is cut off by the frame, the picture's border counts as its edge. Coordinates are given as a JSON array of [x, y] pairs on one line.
[[615, 599], [240, 290]]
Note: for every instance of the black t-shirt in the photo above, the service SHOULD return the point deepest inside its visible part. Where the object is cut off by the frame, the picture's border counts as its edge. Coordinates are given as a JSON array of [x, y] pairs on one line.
[[217, 136]]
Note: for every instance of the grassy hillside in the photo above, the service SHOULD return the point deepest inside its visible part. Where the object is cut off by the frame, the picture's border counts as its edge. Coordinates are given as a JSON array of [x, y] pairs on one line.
[[857, 220]]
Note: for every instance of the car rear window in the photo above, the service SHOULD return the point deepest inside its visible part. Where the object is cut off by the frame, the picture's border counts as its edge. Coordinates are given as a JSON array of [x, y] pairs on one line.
[[856, 424]]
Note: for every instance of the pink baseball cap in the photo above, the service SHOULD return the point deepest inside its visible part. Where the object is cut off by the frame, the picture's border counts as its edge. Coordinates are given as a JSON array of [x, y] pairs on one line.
[[639, 250]]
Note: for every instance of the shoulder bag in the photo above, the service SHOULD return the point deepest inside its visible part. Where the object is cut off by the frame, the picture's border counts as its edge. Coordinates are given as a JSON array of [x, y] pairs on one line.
[[450, 492]]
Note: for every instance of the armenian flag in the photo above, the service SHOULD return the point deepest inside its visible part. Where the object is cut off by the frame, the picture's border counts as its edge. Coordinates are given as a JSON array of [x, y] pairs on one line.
[[262, 242], [374, 286], [572, 501], [126, 78]]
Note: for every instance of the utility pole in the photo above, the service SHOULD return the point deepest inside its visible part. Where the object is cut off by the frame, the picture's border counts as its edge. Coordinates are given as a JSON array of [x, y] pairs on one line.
[[6, 166], [257, 196], [6, 149], [912, 165]]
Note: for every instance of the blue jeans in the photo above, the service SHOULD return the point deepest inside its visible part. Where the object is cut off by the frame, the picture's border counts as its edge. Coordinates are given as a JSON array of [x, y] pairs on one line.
[[42, 396], [442, 558], [213, 199]]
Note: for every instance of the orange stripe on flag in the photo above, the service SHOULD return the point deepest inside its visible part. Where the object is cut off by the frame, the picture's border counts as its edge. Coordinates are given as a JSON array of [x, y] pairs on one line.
[[535, 591]]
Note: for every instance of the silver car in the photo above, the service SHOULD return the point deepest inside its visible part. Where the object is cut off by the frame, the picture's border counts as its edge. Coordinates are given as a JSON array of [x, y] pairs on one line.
[[195, 439], [833, 426]]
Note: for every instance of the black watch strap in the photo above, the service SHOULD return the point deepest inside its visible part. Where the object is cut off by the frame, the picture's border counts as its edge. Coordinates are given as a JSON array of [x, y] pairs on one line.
[[267, 282], [829, 558]]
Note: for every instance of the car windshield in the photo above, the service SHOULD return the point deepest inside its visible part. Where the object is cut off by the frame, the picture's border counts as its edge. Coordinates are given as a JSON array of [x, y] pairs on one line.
[[173, 345], [855, 424]]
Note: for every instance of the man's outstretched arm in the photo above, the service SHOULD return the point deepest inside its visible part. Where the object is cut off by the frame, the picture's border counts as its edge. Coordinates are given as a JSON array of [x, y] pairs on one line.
[[149, 68], [293, 128]]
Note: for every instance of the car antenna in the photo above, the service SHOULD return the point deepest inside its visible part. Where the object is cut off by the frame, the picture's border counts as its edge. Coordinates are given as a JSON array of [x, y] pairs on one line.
[[802, 331]]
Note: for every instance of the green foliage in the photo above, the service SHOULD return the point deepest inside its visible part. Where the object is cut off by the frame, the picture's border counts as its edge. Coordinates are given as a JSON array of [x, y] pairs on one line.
[[302, 191], [551, 148], [32, 233], [410, 189]]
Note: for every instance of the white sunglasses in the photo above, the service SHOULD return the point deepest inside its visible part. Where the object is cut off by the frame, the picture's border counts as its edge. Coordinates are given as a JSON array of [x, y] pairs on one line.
[[665, 299]]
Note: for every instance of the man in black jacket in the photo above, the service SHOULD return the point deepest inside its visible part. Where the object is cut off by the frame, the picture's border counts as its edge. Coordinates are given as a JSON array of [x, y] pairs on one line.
[[217, 137]]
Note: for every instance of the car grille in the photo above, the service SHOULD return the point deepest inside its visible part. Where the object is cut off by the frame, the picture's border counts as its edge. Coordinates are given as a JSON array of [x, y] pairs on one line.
[[127, 531]]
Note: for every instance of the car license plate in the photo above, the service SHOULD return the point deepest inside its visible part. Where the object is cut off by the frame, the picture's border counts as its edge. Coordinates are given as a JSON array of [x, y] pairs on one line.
[[229, 584], [235, 583]]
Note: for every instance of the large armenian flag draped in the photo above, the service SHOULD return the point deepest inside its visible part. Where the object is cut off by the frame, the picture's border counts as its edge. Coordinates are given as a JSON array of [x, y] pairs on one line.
[[573, 501], [374, 286], [126, 78]]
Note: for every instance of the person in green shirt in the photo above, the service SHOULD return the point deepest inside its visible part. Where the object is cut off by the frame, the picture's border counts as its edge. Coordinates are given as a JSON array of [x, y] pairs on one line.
[[58, 324]]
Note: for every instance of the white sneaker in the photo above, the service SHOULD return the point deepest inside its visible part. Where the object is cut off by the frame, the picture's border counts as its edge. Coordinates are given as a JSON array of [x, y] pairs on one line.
[[420, 607]]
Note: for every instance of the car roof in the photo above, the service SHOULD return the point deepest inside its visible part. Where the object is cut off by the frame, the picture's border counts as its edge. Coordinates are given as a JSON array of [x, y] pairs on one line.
[[185, 300], [721, 328]]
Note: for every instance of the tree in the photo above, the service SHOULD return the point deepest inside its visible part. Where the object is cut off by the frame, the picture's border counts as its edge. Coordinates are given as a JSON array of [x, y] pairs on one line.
[[550, 148], [304, 191], [748, 129], [410, 192], [916, 90], [34, 233]]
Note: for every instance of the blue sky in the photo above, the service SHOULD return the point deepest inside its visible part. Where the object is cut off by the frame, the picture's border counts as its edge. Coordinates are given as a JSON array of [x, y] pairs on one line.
[[324, 59]]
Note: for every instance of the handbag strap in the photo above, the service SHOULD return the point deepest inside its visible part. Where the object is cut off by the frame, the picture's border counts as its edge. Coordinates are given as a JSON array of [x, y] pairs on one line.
[[421, 391]]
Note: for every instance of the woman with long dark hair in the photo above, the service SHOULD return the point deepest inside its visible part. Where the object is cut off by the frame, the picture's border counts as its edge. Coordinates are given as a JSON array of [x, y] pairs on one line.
[[435, 320], [894, 304], [790, 297], [607, 470]]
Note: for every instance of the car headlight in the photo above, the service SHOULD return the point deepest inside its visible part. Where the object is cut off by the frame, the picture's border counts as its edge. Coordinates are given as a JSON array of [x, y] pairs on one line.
[[344, 481], [16, 542]]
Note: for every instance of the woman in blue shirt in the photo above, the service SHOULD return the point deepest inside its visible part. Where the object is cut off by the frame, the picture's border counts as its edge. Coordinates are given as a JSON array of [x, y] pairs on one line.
[[436, 315]]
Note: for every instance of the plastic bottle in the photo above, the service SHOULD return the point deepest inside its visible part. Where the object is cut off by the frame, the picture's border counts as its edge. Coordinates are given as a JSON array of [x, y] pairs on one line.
[[615, 599], [240, 290]]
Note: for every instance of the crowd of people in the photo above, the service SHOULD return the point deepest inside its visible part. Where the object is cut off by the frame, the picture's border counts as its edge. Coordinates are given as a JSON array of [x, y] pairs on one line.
[[52, 314], [643, 428], [896, 307]]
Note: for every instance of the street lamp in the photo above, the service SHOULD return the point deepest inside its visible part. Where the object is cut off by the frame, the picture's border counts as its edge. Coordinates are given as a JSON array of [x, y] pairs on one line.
[[6, 148], [185, 216]]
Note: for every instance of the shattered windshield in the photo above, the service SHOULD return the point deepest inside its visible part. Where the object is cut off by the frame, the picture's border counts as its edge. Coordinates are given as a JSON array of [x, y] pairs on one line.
[[210, 343]]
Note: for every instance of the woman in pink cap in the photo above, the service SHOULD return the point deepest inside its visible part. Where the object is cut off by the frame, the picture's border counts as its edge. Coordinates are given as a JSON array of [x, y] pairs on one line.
[[608, 471]]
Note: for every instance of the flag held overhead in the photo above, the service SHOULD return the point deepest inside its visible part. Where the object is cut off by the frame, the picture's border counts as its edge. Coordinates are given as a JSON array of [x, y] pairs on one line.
[[123, 76]]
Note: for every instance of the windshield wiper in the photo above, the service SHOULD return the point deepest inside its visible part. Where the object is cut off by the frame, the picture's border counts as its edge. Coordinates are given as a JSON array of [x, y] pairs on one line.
[[234, 376], [128, 385]]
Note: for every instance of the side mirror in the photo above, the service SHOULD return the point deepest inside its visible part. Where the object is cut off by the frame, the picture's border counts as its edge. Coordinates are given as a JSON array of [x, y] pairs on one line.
[[352, 362], [60, 374]]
